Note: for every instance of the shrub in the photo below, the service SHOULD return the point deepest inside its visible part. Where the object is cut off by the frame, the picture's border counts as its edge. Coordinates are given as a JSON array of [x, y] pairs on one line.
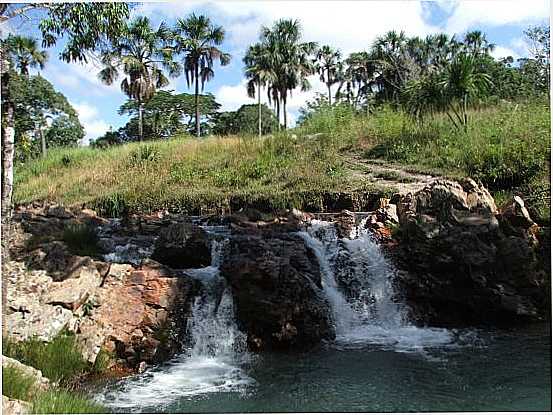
[[81, 239], [59, 360], [144, 154]]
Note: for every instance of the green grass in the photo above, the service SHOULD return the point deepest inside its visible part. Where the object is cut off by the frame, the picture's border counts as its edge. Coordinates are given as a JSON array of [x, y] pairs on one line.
[[17, 385], [507, 147], [59, 360], [64, 402], [81, 239]]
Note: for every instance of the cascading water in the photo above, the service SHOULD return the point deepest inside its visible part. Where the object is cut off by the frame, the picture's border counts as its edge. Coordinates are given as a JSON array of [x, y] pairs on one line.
[[212, 362], [370, 315]]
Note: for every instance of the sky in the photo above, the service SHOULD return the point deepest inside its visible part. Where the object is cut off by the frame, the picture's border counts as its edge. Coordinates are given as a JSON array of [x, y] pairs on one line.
[[348, 25]]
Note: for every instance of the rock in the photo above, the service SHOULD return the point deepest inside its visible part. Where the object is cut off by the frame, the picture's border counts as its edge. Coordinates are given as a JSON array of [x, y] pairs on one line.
[[458, 265], [148, 303], [59, 212], [40, 381], [40, 321], [516, 220], [346, 224], [276, 285], [74, 292], [15, 406], [183, 245]]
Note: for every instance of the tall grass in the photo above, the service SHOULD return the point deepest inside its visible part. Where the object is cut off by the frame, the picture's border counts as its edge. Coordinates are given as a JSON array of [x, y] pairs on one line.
[[59, 360]]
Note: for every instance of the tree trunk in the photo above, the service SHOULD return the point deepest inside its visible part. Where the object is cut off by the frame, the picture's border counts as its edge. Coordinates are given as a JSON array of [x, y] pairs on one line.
[[8, 149], [278, 112], [284, 111], [197, 102], [140, 121], [328, 86], [42, 141], [259, 107]]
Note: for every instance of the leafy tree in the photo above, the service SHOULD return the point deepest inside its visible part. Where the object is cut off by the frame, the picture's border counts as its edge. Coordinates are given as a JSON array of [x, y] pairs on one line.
[[328, 66], [35, 100], [85, 26], [539, 41], [245, 121], [259, 73], [24, 53], [166, 114], [197, 39], [138, 53]]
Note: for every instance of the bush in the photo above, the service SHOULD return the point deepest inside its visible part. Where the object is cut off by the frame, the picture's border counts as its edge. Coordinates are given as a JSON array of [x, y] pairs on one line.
[[59, 360], [143, 155], [81, 239]]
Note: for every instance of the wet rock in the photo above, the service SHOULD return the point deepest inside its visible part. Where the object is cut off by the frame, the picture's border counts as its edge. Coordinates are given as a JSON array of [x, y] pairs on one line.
[[458, 265], [346, 224], [40, 381], [276, 285], [183, 245], [57, 211]]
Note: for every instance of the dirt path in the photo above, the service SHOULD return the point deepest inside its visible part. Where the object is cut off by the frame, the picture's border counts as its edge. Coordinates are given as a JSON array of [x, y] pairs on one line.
[[387, 175]]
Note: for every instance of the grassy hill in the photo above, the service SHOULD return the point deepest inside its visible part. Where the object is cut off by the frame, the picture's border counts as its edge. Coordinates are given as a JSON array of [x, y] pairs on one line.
[[507, 147]]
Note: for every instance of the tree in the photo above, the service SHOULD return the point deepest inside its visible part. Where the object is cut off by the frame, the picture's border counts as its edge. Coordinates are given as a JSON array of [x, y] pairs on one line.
[[85, 26], [245, 121], [539, 47], [166, 114], [290, 60], [138, 53], [328, 66], [197, 39], [24, 53], [259, 73], [450, 91]]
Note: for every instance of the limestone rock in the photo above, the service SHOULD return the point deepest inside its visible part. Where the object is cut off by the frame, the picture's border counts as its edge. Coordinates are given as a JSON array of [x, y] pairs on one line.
[[74, 292], [15, 406]]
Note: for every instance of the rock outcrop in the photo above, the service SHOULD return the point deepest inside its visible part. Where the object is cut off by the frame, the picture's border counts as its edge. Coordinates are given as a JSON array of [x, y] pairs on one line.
[[40, 382], [464, 262], [276, 284], [183, 245], [15, 406]]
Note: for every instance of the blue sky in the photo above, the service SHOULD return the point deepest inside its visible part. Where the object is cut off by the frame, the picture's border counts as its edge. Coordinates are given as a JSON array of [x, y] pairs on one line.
[[349, 25]]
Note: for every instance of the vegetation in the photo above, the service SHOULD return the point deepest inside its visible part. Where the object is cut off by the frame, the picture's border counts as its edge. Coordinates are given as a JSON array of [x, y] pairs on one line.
[[248, 120], [81, 240], [59, 360]]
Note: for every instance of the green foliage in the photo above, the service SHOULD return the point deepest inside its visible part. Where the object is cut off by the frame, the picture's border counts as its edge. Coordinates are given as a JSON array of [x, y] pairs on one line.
[[59, 360], [144, 155], [24, 53], [81, 240], [35, 98], [16, 384], [245, 121], [64, 402]]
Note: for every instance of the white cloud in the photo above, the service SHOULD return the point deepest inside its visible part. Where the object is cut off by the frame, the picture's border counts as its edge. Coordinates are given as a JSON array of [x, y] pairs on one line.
[[89, 116], [503, 52], [468, 14]]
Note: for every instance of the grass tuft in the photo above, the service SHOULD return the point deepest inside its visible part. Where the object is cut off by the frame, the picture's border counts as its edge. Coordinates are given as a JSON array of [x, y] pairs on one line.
[[81, 239]]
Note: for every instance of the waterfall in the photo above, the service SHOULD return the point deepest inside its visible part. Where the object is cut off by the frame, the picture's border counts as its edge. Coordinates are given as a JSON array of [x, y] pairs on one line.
[[213, 360], [369, 314]]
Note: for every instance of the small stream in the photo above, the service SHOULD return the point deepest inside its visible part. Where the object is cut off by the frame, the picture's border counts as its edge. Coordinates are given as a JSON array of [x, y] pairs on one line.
[[378, 362]]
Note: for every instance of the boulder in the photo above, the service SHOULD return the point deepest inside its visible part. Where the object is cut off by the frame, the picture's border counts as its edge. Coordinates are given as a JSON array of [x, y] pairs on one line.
[[37, 320], [458, 265], [15, 406], [136, 308], [74, 292], [277, 291], [183, 245]]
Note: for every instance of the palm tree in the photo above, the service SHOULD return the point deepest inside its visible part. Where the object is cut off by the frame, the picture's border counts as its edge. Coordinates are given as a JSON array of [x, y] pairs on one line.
[[259, 73], [198, 40], [476, 43], [289, 59], [328, 66], [139, 54], [24, 53]]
